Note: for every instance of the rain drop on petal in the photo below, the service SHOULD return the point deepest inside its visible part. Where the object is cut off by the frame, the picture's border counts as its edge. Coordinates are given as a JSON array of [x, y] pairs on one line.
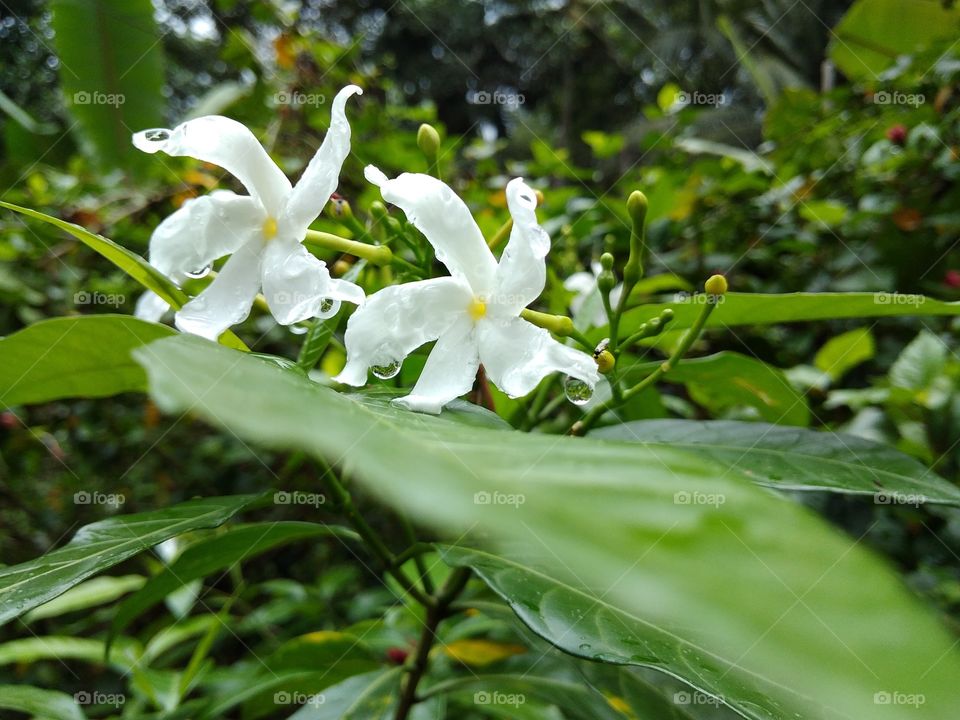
[[387, 371], [577, 391]]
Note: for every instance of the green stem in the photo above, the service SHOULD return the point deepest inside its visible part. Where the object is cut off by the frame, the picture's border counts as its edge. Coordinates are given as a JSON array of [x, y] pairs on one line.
[[500, 235], [374, 254]]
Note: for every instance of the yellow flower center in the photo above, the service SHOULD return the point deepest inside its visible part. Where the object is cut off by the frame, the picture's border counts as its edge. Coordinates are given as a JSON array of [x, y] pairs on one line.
[[269, 228], [477, 309]]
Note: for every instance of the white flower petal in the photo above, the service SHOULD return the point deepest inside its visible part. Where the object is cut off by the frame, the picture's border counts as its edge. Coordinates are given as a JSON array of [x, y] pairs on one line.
[[296, 284], [436, 210], [518, 355], [522, 272], [450, 371], [200, 231], [227, 300], [397, 320], [321, 176], [229, 144]]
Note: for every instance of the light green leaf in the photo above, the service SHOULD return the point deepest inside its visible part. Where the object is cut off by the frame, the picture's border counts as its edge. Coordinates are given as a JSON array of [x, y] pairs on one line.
[[85, 356], [920, 363], [129, 262], [97, 591], [104, 544], [58, 648], [796, 458], [219, 553], [825, 213], [371, 696], [873, 33], [779, 613], [844, 352], [39, 703], [111, 71]]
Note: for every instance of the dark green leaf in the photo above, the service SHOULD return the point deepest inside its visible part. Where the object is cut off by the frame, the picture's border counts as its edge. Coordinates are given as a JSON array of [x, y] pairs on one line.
[[47, 704], [370, 696]]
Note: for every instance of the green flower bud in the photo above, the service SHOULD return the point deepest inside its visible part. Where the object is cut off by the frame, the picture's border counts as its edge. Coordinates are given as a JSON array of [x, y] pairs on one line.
[[378, 210], [633, 269], [716, 285], [428, 140], [605, 361]]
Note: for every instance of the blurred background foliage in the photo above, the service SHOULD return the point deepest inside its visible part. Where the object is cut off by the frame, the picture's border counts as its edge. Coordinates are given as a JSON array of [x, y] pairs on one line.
[[792, 146]]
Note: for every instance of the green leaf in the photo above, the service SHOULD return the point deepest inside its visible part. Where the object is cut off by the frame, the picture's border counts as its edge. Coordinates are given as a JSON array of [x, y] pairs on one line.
[[47, 704], [844, 352], [728, 380], [772, 605], [796, 458], [773, 309], [920, 363], [825, 213], [85, 356], [111, 71], [57, 648], [98, 591], [104, 544], [873, 33], [370, 696], [222, 552], [129, 262]]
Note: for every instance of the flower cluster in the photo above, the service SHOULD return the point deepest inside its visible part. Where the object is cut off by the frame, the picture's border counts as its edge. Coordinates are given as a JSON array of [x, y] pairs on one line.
[[473, 315]]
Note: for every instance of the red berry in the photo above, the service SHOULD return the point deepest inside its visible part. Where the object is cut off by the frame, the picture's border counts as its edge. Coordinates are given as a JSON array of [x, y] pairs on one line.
[[8, 420], [952, 278], [897, 134], [397, 655]]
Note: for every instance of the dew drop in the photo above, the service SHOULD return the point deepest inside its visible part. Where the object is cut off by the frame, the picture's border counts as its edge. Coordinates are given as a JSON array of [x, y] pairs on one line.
[[578, 392], [197, 274], [326, 305], [157, 135], [298, 329], [387, 371]]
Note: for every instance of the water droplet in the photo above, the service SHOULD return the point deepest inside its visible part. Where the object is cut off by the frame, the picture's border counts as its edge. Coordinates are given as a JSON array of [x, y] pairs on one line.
[[202, 272], [298, 329], [585, 646], [386, 371], [157, 135], [326, 305], [578, 392]]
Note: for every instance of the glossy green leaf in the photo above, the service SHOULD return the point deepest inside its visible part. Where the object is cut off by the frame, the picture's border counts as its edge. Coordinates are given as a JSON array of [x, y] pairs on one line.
[[873, 33], [219, 553], [86, 356], [729, 380], [59, 649], [93, 592], [111, 70], [920, 363], [775, 631], [371, 696], [102, 545], [39, 703], [129, 262], [844, 352], [773, 309], [796, 458]]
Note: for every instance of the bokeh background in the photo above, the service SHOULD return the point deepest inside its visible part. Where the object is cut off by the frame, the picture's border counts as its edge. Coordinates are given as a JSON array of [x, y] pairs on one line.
[[793, 146]]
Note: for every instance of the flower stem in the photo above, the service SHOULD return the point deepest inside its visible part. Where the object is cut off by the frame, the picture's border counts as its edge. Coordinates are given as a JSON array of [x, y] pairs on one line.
[[500, 235], [374, 254], [559, 325]]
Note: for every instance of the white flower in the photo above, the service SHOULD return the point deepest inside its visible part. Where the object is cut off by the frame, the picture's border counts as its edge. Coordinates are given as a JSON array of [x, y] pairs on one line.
[[586, 305], [474, 315], [261, 232]]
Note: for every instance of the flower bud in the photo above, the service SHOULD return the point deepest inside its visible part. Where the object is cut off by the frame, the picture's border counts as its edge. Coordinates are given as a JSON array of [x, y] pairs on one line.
[[716, 285], [378, 210], [605, 361], [633, 269], [428, 140], [606, 280]]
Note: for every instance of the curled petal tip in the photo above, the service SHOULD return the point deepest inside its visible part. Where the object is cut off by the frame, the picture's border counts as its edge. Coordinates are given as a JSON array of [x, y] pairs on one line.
[[152, 140], [518, 192], [374, 175]]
